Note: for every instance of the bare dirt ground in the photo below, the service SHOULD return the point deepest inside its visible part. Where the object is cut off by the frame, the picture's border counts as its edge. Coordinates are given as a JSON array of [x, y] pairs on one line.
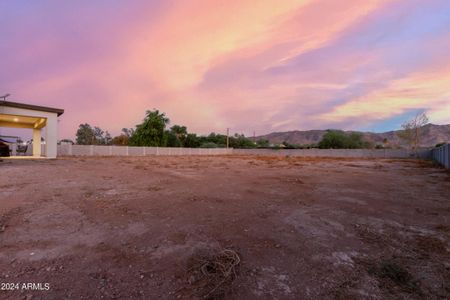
[[160, 228]]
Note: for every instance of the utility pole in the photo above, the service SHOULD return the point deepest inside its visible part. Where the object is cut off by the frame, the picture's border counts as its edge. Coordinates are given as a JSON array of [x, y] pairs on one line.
[[228, 137]]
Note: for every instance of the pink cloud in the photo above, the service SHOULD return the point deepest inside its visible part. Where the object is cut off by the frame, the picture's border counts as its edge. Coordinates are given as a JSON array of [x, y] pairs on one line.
[[212, 65]]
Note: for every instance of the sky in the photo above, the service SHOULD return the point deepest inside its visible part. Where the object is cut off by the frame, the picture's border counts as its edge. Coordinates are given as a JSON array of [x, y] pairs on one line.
[[252, 66]]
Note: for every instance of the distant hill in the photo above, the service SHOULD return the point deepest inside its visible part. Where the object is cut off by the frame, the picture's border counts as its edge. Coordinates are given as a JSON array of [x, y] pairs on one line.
[[432, 135]]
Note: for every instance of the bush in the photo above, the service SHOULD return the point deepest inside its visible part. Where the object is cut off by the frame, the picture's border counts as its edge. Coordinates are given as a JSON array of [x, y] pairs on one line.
[[192, 141], [209, 145], [338, 139]]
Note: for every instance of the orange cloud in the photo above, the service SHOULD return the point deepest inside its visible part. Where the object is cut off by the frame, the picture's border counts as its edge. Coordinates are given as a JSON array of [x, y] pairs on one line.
[[427, 90], [193, 37]]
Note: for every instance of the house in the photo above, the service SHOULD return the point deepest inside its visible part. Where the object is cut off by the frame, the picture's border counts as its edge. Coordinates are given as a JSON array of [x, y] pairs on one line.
[[36, 118]]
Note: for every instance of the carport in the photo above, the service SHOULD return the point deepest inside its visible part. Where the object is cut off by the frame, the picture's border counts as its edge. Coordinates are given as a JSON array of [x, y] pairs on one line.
[[36, 118]]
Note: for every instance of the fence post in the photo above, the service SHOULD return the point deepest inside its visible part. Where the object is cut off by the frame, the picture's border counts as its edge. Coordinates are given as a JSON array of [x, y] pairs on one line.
[[447, 158]]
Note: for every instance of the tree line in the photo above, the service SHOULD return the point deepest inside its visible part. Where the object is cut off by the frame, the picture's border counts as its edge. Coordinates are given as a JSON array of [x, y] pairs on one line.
[[154, 131]]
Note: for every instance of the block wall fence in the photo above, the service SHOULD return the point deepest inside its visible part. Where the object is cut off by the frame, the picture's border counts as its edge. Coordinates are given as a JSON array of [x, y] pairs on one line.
[[442, 155], [91, 150], [344, 153]]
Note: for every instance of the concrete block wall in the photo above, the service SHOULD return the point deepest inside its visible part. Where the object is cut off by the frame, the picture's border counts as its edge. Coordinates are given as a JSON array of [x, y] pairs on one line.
[[442, 155], [369, 153], [94, 150], [30, 150], [91, 150]]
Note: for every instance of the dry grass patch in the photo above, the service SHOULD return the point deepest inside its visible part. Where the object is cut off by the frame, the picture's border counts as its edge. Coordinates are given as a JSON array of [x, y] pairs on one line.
[[210, 274]]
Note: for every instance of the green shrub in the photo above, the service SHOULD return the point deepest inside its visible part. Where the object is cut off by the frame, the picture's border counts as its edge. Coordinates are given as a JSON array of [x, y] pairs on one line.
[[338, 139], [208, 145]]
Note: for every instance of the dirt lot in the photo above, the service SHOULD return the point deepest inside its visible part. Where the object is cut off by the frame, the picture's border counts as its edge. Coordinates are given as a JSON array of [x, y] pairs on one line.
[[157, 227]]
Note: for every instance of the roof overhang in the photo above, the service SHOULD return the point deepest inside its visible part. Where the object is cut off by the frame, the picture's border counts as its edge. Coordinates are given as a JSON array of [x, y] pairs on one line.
[[17, 121], [32, 107]]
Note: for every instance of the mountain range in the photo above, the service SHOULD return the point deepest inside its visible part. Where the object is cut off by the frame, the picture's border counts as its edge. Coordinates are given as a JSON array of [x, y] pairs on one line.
[[431, 135]]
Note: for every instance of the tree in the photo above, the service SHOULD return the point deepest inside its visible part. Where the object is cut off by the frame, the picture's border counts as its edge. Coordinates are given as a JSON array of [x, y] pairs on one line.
[[192, 141], [123, 138], [151, 132], [120, 140], [177, 136], [262, 143], [172, 139], [412, 131], [85, 135], [98, 136], [240, 141], [219, 139], [180, 131], [338, 139], [88, 135], [355, 141], [107, 139], [333, 139], [127, 132]]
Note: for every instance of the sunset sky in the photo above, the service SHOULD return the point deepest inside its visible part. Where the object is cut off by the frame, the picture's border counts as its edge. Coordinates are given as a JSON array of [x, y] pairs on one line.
[[254, 65]]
